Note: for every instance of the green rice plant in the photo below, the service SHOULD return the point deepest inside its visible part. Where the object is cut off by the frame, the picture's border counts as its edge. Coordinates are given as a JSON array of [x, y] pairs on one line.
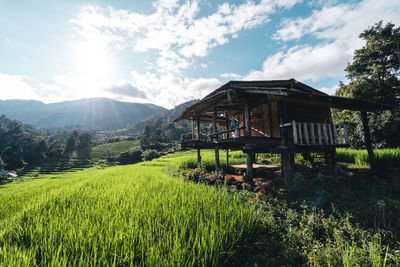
[[384, 158], [126, 215]]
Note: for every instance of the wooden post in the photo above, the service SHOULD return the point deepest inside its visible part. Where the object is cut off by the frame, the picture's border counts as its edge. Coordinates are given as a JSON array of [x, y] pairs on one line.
[[285, 156], [192, 128], [334, 127], [367, 137], [216, 138], [271, 128], [247, 126], [286, 168], [227, 137], [247, 132], [198, 138], [330, 134]]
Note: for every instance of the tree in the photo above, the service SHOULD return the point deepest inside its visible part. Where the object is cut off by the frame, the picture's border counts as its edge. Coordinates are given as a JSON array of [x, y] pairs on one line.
[[374, 75], [84, 146], [70, 147]]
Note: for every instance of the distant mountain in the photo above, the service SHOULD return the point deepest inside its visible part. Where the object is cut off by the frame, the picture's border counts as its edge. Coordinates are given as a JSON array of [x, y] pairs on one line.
[[95, 113], [163, 119]]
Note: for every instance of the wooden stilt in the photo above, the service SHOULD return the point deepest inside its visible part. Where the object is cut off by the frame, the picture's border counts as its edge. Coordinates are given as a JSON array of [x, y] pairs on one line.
[[292, 162], [217, 166], [198, 138], [247, 132], [367, 137], [286, 169]]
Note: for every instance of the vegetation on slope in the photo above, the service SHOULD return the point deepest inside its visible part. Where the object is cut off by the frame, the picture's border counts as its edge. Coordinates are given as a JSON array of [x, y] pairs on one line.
[[108, 150], [139, 215]]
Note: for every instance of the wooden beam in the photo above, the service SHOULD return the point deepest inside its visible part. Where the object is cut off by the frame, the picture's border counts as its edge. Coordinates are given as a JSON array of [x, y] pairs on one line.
[[367, 137], [247, 126]]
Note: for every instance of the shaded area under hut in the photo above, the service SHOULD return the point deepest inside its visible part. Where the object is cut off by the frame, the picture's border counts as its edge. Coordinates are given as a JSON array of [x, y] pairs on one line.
[[278, 116]]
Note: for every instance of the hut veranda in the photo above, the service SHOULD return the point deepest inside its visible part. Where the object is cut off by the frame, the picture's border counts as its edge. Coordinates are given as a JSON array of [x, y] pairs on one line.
[[276, 116]]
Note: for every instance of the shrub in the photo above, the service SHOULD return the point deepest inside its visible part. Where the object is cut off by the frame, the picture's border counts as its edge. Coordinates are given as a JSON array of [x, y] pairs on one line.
[[194, 175], [150, 154], [130, 157]]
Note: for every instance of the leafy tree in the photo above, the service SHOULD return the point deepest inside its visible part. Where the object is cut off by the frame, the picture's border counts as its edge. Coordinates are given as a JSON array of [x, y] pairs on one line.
[[84, 146], [70, 147], [374, 75]]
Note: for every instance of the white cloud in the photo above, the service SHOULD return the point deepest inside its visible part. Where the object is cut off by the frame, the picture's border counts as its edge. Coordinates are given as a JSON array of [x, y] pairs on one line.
[[174, 29], [335, 29], [329, 90], [125, 88], [24, 87], [231, 75], [169, 90]]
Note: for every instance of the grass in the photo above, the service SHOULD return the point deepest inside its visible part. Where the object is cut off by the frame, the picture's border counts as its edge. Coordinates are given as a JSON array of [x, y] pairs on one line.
[[126, 215], [139, 215], [113, 149], [384, 158]]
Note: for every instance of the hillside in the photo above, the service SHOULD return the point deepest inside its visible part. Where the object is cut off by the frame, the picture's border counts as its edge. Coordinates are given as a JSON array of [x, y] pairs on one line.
[[139, 215], [95, 113], [161, 128]]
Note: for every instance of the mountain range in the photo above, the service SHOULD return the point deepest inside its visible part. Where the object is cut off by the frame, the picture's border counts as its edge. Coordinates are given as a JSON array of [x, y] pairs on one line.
[[94, 113]]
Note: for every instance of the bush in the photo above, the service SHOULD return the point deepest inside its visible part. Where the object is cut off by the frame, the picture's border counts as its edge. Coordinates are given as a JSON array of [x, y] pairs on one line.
[[150, 154], [130, 157], [194, 175]]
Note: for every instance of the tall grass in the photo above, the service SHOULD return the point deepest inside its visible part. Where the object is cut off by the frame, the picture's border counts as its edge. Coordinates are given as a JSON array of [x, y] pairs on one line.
[[138, 215], [384, 158], [130, 215]]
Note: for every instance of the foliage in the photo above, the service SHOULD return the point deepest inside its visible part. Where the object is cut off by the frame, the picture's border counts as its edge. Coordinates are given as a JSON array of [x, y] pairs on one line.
[[374, 76], [84, 146], [137, 215], [384, 158], [150, 154], [129, 157], [113, 149], [193, 175], [160, 131], [127, 215]]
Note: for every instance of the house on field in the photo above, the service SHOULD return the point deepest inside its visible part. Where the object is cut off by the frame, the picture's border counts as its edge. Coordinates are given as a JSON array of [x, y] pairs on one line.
[[277, 116]]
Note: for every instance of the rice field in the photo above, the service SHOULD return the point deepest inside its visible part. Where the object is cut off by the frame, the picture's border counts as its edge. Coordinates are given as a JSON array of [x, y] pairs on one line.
[[126, 215], [138, 215]]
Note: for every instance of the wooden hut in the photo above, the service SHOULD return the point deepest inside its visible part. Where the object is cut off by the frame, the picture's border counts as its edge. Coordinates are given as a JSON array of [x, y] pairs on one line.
[[277, 116]]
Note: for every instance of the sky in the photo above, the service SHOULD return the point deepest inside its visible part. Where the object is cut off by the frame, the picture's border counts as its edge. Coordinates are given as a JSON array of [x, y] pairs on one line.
[[167, 52]]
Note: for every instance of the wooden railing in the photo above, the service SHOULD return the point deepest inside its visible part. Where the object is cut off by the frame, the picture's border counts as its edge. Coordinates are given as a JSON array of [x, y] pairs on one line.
[[304, 133]]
